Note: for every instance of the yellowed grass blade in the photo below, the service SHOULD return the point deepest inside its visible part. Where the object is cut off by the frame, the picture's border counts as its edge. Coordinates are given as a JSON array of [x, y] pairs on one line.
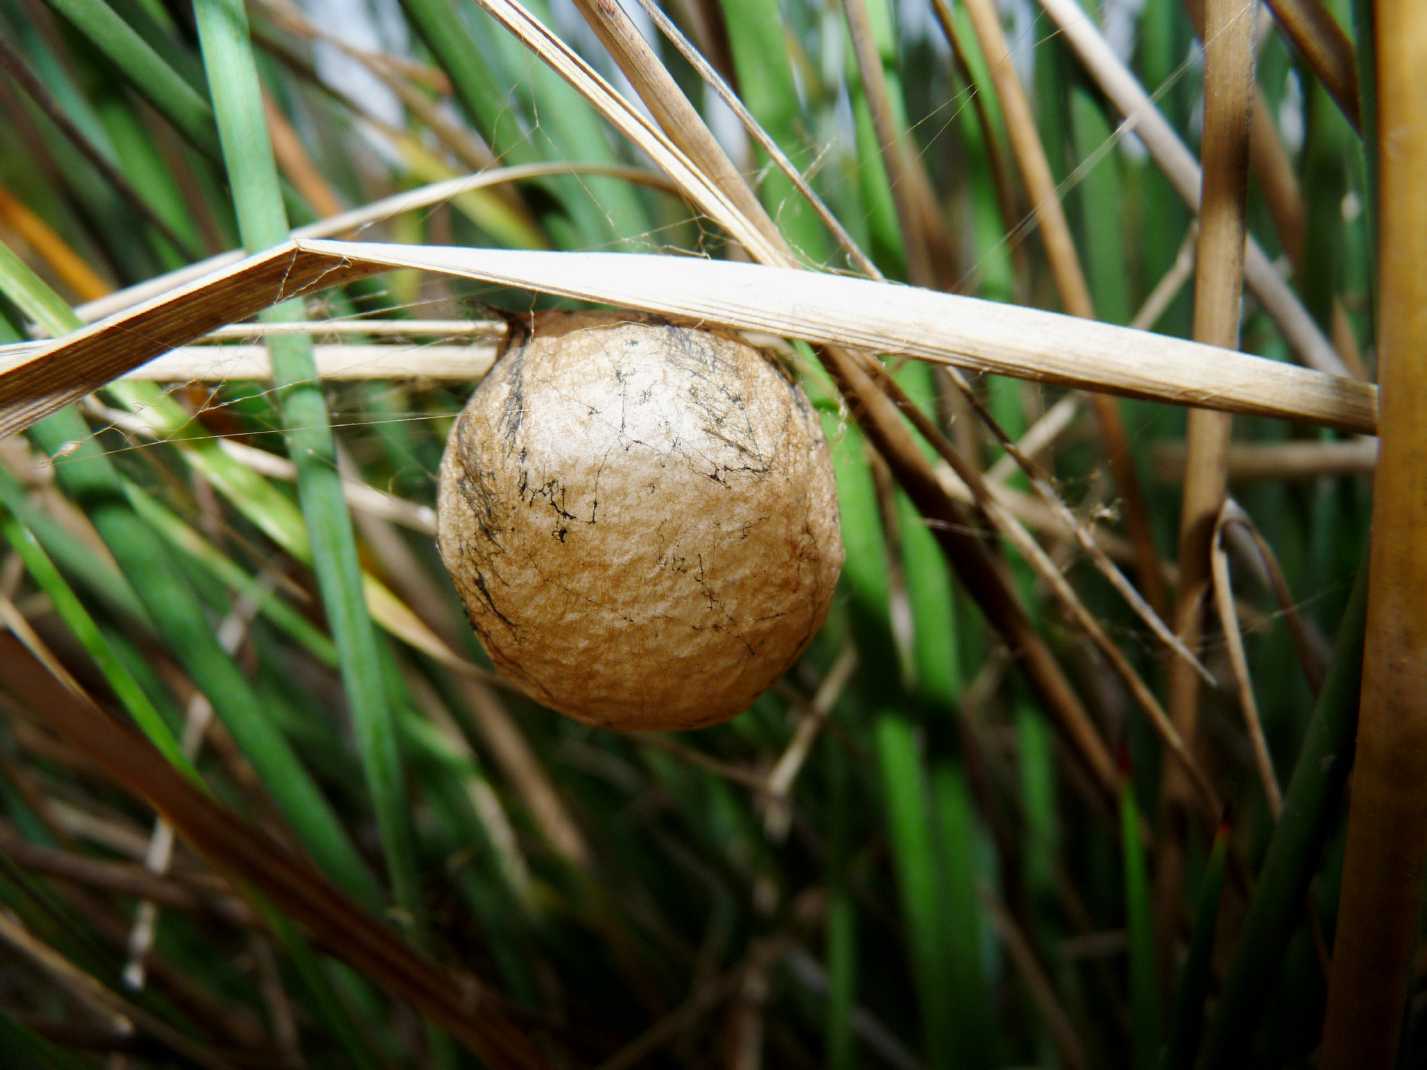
[[824, 309]]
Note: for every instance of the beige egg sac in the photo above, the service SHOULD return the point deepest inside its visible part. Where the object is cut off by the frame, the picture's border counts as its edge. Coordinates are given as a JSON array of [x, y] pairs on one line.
[[641, 519]]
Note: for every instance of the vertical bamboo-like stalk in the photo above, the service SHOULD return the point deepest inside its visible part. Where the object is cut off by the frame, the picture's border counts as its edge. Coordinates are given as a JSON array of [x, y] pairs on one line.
[[1387, 823], [1218, 287]]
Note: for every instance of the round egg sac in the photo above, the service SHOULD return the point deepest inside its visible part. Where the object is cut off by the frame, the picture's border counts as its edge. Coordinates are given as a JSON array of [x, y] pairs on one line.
[[641, 520]]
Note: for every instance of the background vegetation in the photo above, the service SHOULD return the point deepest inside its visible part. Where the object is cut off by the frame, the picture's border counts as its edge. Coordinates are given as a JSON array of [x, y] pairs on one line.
[[992, 818]]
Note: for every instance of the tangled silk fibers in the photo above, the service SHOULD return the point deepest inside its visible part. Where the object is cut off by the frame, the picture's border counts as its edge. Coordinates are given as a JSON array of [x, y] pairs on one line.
[[641, 520]]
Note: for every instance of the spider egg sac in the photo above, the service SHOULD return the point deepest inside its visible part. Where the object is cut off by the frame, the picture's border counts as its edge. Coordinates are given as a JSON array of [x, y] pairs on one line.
[[641, 520]]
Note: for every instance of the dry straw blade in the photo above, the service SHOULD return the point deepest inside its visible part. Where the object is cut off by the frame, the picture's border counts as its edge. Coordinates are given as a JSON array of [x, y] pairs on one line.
[[820, 308]]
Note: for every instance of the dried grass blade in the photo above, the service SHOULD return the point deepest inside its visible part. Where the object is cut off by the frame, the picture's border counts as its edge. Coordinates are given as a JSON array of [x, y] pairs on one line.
[[1238, 659], [826, 309]]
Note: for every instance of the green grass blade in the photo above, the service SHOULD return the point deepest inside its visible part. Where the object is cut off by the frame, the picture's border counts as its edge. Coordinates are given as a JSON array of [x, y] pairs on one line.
[[82, 625], [144, 69], [841, 952], [262, 222], [914, 854], [969, 1007], [1196, 978], [88, 477], [1139, 933], [1310, 808]]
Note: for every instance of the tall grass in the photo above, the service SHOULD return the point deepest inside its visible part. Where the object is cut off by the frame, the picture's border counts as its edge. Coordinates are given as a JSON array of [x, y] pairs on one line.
[[263, 802]]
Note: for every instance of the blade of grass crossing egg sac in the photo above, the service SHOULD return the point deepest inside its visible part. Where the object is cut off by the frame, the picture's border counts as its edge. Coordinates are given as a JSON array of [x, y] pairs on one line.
[[972, 1020], [1139, 934], [914, 855], [86, 476], [1196, 977], [247, 152]]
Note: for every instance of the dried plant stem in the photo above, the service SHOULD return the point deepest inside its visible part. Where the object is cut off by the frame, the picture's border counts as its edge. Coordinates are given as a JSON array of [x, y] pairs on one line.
[[1228, 88], [1279, 460], [1387, 821], [1238, 660]]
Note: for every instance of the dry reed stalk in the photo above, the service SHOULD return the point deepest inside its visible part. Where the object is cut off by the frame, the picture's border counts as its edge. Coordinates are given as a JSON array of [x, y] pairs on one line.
[[1278, 460], [1279, 181], [1381, 902], [1218, 289], [1238, 660], [337, 363], [1069, 280]]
